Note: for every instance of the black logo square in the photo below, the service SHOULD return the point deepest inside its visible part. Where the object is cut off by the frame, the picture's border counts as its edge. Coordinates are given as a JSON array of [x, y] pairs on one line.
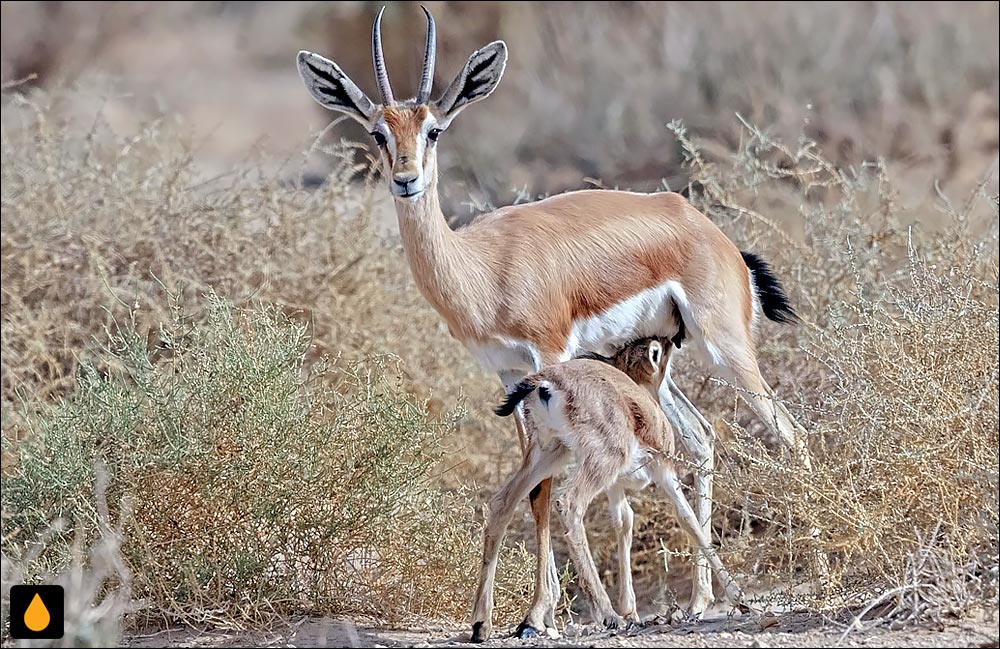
[[36, 612]]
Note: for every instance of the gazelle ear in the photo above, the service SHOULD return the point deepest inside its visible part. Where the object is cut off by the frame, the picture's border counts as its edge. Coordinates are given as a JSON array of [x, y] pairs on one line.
[[479, 78], [655, 355], [333, 89]]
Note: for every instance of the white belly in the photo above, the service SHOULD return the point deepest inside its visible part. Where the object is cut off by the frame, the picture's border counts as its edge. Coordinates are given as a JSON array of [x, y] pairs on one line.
[[649, 313], [634, 476], [506, 354]]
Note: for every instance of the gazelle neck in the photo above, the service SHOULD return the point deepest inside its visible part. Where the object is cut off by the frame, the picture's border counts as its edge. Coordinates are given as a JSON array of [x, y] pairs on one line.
[[446, 271]]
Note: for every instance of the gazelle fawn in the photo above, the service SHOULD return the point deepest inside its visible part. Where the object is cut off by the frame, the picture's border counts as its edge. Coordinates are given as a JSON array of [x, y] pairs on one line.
[[599, 423], [531, 285]]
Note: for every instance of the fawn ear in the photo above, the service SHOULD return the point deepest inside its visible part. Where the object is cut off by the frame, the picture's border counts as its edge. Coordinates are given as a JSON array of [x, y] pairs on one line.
[[333, 89], [655, 355], [480, 77]]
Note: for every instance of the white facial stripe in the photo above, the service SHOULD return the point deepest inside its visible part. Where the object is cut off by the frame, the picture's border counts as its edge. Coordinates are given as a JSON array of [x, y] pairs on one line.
[[418, 152], [390, 140], [429, 123]]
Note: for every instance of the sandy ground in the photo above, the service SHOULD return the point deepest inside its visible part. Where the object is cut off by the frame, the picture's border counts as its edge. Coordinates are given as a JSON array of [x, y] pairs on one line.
[[790, 630]]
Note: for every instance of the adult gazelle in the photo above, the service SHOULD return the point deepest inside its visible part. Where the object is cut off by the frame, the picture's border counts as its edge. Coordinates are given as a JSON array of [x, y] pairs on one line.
[[530, 285]]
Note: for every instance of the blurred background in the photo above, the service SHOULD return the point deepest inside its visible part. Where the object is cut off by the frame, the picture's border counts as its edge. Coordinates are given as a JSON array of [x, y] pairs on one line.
[[587, 91]]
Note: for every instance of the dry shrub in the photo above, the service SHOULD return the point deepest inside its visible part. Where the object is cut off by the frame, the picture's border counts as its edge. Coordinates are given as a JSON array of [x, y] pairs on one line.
[[96, 584], [897, 352], [906, 440], [257, 489], [894, 373], [95, 222], [232, 457]]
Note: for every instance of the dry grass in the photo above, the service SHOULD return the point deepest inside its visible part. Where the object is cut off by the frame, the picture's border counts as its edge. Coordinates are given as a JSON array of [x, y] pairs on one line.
[[97, 581], [894, 372], [262, 484], [250, 488]]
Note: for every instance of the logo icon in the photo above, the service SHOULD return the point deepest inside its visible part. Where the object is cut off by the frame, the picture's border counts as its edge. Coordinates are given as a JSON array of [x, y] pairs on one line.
[[36, 612]]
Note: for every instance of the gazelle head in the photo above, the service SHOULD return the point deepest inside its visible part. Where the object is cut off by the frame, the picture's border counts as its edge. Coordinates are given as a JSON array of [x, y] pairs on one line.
[[644, 361], [406, 132]]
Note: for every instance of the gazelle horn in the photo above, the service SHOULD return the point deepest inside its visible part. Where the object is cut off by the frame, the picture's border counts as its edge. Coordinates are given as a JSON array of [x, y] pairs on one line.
[[381, 75], [430, 53]]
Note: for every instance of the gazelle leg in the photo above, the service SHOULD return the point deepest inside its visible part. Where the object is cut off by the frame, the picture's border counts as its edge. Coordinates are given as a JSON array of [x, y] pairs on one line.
[[686, 404], [698, 438], [542, 612], [537, 466], [702, 451], [741, 363], [572, 506], [665, 476], [622, 521]]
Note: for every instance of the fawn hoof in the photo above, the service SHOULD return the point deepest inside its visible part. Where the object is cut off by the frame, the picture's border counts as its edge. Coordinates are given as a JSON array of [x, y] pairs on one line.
[[614, 622], [481, 632], [525, 631], [698, 607]]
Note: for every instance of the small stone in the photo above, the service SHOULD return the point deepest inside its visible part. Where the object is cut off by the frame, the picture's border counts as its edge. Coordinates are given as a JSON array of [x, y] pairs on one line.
[[572, 631], [757, 643], [768, 620]]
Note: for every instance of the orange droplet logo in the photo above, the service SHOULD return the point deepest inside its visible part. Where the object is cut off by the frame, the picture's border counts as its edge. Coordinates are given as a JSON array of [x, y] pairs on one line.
[[36, 617]]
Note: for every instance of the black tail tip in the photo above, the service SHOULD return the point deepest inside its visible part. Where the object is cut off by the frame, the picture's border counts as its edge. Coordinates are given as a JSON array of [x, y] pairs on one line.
[[514, 397], [773, 299]]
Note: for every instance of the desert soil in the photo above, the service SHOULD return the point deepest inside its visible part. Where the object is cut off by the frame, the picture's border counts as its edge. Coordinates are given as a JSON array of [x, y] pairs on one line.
[[789, 630]]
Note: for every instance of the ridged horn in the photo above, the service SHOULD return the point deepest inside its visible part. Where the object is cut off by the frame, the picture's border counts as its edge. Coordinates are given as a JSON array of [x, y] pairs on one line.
[[430, 53], [378, 59]]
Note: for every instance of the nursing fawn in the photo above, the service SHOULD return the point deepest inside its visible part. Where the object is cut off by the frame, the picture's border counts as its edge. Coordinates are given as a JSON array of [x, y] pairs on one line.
[[599, 425]]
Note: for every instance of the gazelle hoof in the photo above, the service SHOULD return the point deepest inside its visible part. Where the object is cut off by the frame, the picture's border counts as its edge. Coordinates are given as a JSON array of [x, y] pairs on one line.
[[614, 622], [481, 632], [525, 631]]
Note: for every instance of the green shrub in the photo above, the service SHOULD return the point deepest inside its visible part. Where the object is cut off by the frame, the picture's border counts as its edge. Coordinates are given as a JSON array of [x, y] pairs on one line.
[[253, 486]]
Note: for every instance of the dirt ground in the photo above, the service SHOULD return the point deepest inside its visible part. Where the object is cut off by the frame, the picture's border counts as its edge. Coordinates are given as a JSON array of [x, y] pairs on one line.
[[789, 630]]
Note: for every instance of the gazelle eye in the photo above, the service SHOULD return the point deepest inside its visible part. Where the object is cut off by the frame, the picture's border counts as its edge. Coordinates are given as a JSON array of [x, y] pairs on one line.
[[379, 138], [434, 134]]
